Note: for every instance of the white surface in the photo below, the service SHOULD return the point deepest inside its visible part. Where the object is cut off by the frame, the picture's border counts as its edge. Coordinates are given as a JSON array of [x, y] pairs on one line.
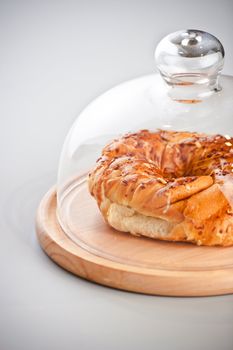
[[55, 58]]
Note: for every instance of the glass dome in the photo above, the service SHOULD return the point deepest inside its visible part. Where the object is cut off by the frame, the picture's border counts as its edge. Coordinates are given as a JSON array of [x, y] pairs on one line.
[[188, 94]]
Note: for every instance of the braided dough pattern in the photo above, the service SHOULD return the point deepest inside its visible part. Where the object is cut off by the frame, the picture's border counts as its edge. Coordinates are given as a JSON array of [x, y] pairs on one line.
[[175, 186]]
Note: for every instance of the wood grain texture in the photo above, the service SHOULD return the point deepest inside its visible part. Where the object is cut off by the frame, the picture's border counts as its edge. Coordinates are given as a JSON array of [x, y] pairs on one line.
[[122, 261]]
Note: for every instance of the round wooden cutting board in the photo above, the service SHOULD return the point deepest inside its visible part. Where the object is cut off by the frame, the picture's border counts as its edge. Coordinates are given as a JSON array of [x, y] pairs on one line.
[[101, 254]]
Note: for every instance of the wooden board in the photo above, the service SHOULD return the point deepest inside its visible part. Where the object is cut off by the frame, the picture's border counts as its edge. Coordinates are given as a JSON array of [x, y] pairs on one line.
[[101, 254]]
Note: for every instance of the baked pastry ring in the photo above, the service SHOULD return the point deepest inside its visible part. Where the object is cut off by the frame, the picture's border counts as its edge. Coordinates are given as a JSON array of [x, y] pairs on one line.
[[174, 186]]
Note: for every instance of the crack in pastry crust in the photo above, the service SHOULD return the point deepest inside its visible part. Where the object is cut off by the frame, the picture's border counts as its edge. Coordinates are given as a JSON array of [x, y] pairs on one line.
[[179, 184]]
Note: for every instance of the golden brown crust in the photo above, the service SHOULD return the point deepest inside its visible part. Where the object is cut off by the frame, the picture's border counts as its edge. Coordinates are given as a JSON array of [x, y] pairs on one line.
[[179, 177]]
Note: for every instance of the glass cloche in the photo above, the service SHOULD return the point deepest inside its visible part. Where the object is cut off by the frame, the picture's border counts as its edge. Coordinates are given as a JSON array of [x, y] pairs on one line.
[[188, 94]]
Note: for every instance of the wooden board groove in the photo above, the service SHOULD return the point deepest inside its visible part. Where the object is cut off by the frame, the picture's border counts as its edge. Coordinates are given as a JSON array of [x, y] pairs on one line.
[[212, 275]]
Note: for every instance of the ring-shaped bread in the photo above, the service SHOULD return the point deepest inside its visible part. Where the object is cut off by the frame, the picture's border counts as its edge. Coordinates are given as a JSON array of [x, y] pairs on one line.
[[175, 186]]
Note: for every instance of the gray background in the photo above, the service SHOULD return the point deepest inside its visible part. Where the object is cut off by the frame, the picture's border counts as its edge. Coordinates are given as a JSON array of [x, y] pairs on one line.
[[56, 56]]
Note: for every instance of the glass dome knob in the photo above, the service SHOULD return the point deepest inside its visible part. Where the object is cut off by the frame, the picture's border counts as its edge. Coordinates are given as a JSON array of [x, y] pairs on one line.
[[192, 59]]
